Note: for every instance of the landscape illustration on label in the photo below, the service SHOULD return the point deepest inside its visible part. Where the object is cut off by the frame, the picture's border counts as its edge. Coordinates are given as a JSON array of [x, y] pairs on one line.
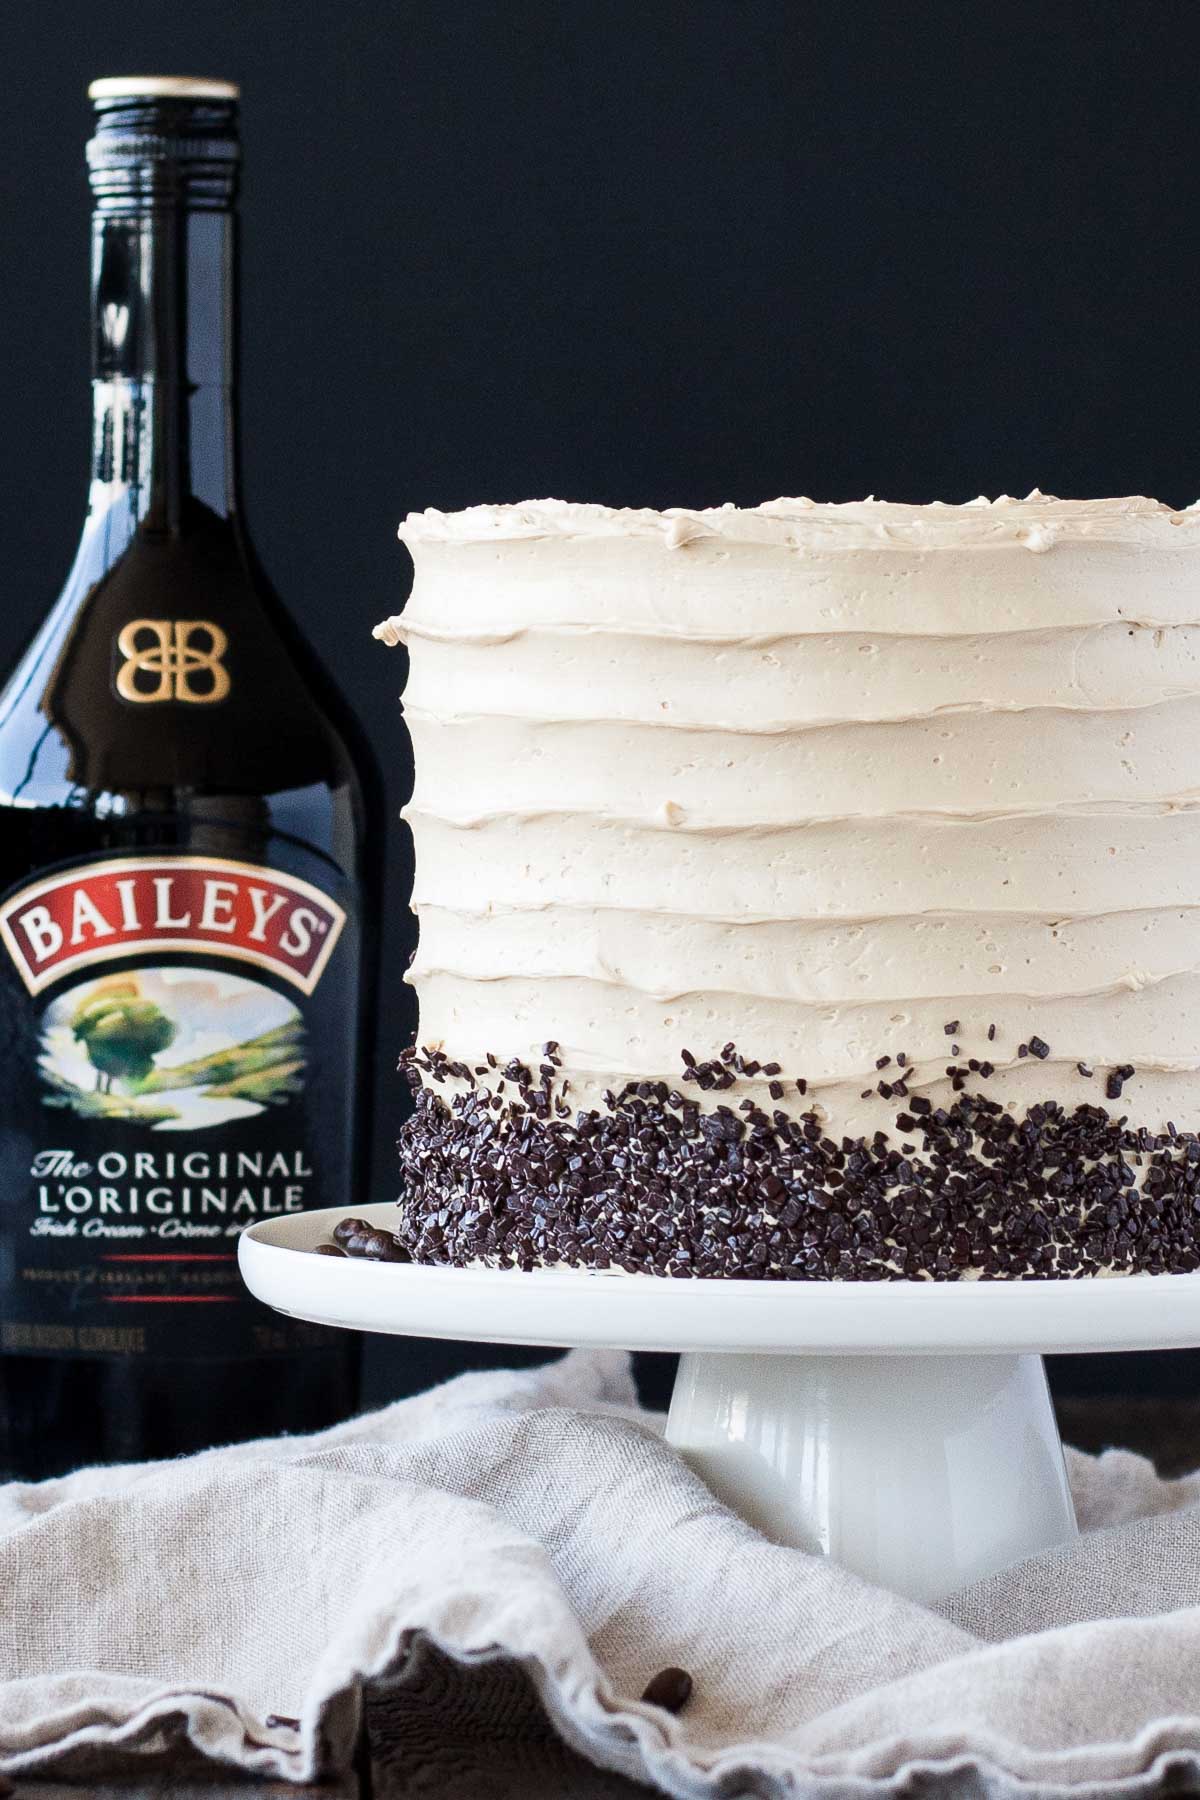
[[177, 1049]]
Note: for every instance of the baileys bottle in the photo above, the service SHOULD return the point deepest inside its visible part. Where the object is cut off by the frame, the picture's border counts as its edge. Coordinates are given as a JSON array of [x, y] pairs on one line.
[[188, 822]]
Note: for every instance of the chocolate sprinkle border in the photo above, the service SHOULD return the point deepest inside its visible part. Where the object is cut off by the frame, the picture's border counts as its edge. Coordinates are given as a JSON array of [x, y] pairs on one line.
[[501, 1170]]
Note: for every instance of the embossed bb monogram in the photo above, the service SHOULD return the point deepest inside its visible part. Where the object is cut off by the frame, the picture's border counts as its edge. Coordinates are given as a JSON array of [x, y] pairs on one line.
[[163, 661]]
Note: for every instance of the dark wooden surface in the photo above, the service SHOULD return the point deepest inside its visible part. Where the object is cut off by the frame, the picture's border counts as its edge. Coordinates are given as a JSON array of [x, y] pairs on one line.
[[504, 1749], [169, 1788]]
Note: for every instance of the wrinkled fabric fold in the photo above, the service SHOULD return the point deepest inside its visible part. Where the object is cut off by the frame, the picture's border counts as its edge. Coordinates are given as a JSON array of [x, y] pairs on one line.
[[534, 1524]]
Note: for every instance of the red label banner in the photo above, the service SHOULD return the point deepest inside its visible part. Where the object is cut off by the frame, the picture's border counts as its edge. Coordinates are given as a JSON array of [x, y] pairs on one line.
[[105, 910]]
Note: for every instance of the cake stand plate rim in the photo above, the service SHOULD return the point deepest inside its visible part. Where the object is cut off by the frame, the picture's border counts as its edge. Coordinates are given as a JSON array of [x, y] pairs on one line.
[[591, 1308]]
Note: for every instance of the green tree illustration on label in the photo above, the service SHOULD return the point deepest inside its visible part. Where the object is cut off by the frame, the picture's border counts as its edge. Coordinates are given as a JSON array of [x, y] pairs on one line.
[[176, 1048], [121, 1032]]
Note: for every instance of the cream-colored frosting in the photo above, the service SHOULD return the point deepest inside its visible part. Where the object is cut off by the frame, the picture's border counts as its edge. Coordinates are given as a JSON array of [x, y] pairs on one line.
[[1036, 521], [816, 779]]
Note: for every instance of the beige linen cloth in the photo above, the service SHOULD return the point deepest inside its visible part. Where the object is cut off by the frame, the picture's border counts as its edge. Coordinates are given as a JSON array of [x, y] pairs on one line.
[[524, 1551]]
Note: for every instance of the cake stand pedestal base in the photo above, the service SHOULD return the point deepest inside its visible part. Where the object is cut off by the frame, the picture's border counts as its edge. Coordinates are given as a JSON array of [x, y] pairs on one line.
[[920, 1473], [901, 1427]]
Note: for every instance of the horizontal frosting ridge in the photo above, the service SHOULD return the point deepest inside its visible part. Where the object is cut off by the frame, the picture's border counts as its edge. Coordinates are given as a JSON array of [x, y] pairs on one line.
[[815, 779]]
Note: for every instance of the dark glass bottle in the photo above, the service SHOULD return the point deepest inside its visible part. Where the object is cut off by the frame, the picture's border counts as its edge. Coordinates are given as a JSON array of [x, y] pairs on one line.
[[188, 826]]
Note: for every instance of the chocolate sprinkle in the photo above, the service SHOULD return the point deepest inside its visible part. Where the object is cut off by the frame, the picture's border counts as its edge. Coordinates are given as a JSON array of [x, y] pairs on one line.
[[1039, 1047], [657, 1182], [1117, 1080]]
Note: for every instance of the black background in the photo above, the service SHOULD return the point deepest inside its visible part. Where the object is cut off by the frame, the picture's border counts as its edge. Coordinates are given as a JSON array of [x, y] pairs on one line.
[[649, 254]]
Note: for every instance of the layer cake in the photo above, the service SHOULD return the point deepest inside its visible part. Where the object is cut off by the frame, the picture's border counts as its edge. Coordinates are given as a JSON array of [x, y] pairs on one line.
[[806, 891]]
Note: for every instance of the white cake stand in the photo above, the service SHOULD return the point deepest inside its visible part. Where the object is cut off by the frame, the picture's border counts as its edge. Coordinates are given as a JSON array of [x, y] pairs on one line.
[[903, 1428]]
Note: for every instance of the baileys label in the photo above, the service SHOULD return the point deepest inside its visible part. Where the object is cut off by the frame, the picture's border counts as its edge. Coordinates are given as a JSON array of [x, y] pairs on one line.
[[192, 903], [177, 1041]]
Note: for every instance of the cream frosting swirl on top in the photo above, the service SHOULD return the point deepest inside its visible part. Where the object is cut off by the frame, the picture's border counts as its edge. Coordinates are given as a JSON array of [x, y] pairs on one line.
[[814, 779], [1036, 522]]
